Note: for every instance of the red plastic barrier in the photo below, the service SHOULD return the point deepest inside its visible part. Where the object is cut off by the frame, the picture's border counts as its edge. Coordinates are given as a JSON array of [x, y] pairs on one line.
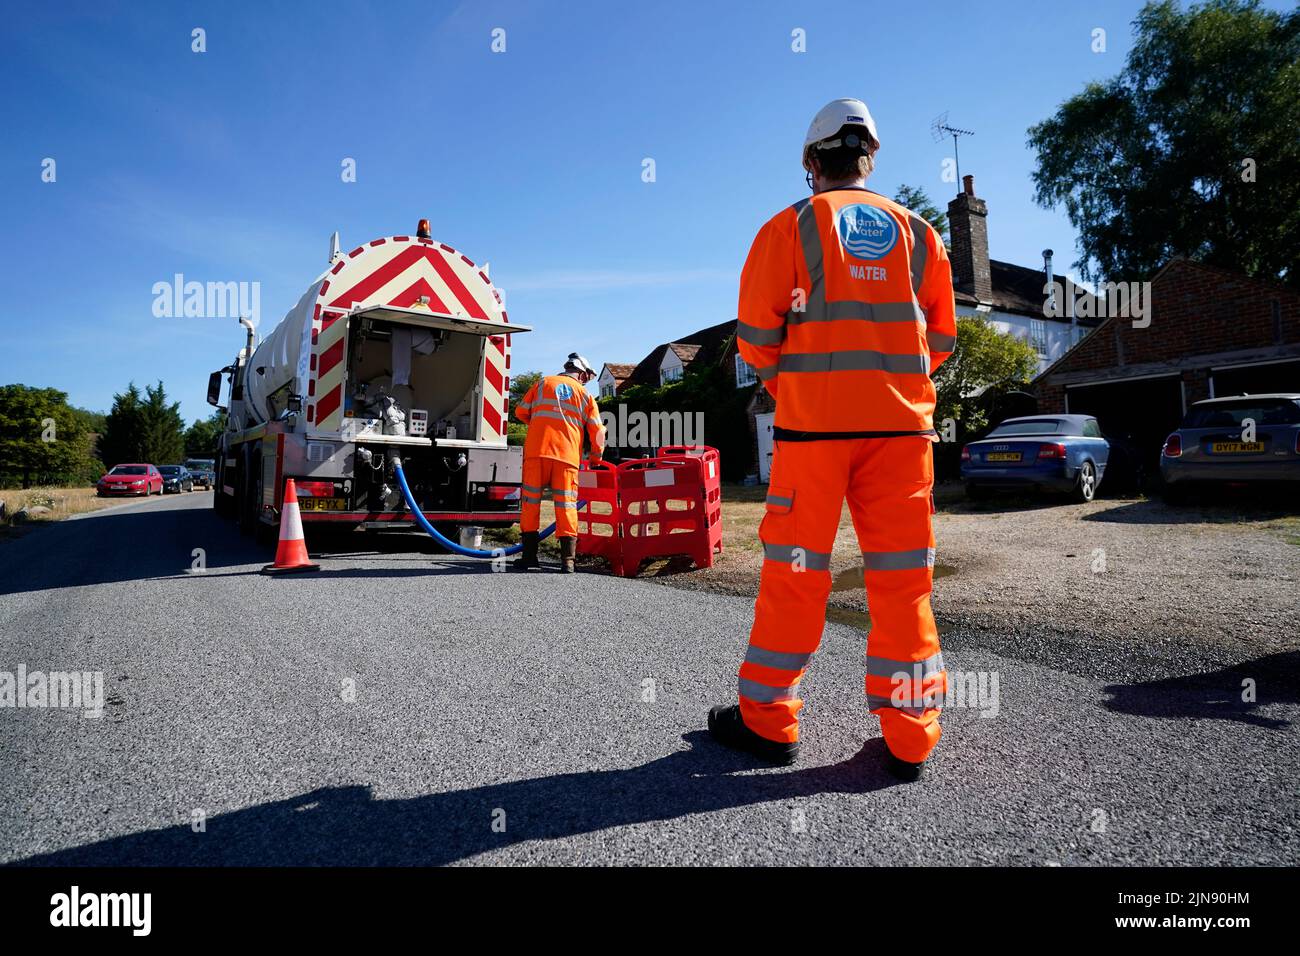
[[598, 518], [711, 463], [670, 505]]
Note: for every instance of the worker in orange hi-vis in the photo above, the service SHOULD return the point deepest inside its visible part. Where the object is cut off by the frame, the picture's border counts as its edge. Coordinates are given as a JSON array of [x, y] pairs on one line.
[[846, 310], [558, 412]]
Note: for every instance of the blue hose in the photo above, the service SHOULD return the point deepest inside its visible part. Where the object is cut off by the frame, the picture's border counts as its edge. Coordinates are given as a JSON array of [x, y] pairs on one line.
[[450, 545]]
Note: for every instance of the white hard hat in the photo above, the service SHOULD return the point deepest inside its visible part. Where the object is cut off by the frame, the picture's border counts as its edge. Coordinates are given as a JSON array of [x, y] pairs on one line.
[[837, 114], [578, 364]]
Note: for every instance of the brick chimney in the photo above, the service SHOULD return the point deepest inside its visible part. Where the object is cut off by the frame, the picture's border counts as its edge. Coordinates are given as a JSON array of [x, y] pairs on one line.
[[969, 232]]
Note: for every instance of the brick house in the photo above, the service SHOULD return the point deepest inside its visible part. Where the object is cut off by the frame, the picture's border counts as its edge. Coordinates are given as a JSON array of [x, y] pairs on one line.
[[1010, 297], [1212, 333]]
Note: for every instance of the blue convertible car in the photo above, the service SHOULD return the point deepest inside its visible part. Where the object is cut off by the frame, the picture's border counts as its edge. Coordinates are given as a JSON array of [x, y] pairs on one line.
[[1057, 452]]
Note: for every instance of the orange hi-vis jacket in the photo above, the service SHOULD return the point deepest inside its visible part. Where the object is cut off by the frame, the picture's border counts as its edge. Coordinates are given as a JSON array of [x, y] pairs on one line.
[[557, 411], [846, 309]]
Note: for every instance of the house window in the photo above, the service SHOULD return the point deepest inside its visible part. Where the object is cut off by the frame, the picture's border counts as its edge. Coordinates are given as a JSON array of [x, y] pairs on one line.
[[745, 374], [670, 374], [606, 389], [1038, 336]]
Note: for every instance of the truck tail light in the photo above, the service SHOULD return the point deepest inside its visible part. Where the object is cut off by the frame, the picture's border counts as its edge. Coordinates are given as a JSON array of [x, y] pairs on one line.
[[315, 489], [503, 492], [1051, 450], [1173, 446]]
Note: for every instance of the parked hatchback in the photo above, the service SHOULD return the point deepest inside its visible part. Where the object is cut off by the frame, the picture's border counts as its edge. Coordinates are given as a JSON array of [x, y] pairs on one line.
[[1064, 453], [130, 480], [1245, 438]]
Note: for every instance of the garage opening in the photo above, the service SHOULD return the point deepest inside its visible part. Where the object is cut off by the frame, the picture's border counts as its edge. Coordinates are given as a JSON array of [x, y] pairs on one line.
[[1256, 379], [1136, 417]]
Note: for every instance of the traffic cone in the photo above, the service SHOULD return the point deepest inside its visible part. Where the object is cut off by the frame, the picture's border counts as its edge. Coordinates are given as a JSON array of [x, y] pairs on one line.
[[291, 552]]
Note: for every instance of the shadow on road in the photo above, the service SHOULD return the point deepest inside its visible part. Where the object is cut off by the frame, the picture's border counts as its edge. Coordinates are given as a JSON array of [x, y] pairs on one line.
[[134, 544], [1215, 695], [152, 543], [341, 826]]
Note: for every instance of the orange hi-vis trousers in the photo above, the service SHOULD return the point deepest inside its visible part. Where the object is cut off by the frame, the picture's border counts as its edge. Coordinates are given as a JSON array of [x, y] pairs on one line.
[[888, 484], [562, 479]]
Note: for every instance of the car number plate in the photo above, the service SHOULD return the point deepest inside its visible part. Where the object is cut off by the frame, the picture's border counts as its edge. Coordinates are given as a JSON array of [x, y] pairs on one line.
[[1002, 456], [322, 504], [1235, 447]]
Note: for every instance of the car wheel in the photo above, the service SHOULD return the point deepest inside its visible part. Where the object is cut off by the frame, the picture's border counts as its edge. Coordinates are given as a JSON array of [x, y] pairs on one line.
[[1085, 485]]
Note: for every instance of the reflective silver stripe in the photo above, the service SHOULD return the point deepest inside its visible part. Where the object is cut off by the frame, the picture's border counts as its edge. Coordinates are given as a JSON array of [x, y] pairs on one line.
[[762, 694], [919, 252], [811, 242], [765, 372], [898, 560], [913, 707], [860, 360], [939, 342], [757, 336], [862, 311], [780, 502], [785, 553], [567, 505], [562, 406], [560, 415], [781, 660], [537, 491], [567, 494], [885, 667]]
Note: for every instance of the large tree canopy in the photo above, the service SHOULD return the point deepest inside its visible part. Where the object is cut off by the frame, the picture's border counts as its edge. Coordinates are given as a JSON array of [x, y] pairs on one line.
[[1192, 150], [43, 439]]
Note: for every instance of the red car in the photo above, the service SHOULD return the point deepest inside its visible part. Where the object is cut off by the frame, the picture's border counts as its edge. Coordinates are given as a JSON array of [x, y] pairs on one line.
[[130, 480]]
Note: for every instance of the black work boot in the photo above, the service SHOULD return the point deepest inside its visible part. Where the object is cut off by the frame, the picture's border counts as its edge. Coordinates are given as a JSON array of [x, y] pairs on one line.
[[568, 552], [728, 729], [905, 771], [527, 559]]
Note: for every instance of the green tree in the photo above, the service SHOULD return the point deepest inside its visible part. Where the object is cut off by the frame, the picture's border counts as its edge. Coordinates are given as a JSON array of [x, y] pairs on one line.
[[43, 439], [519, 386], [143, 428], [122, 440], [916, 199], [1190, 151], [983, 358], [201, 438]]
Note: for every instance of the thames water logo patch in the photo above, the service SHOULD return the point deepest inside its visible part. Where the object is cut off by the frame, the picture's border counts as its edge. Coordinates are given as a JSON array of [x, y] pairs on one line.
[[866, 232], [564, 391]]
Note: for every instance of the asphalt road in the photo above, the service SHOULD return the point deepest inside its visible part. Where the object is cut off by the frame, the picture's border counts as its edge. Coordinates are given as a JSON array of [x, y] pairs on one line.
[[509, 719]]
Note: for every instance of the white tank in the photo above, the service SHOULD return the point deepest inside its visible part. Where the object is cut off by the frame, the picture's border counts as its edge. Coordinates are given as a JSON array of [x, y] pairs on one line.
[[278, 355]]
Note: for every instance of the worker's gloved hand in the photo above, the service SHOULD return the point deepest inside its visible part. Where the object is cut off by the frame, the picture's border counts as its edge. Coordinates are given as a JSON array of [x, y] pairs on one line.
[[593, 460]]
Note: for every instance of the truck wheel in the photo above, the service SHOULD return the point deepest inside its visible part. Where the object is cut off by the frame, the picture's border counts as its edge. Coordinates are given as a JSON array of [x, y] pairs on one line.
[[1085, 485]]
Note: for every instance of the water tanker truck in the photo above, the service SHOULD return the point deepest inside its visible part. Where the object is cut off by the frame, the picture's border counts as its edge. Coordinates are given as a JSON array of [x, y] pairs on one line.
[[399, 351]]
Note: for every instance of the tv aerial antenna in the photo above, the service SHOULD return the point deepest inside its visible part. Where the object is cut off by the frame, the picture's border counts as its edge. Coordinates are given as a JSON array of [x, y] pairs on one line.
[[940, 130]]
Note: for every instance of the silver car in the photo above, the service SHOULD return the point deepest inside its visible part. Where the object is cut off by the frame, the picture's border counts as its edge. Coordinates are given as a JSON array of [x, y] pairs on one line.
[[1245, 438]]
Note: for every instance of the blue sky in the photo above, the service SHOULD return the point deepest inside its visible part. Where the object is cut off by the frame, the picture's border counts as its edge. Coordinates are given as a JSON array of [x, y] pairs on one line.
[[225, 165]]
